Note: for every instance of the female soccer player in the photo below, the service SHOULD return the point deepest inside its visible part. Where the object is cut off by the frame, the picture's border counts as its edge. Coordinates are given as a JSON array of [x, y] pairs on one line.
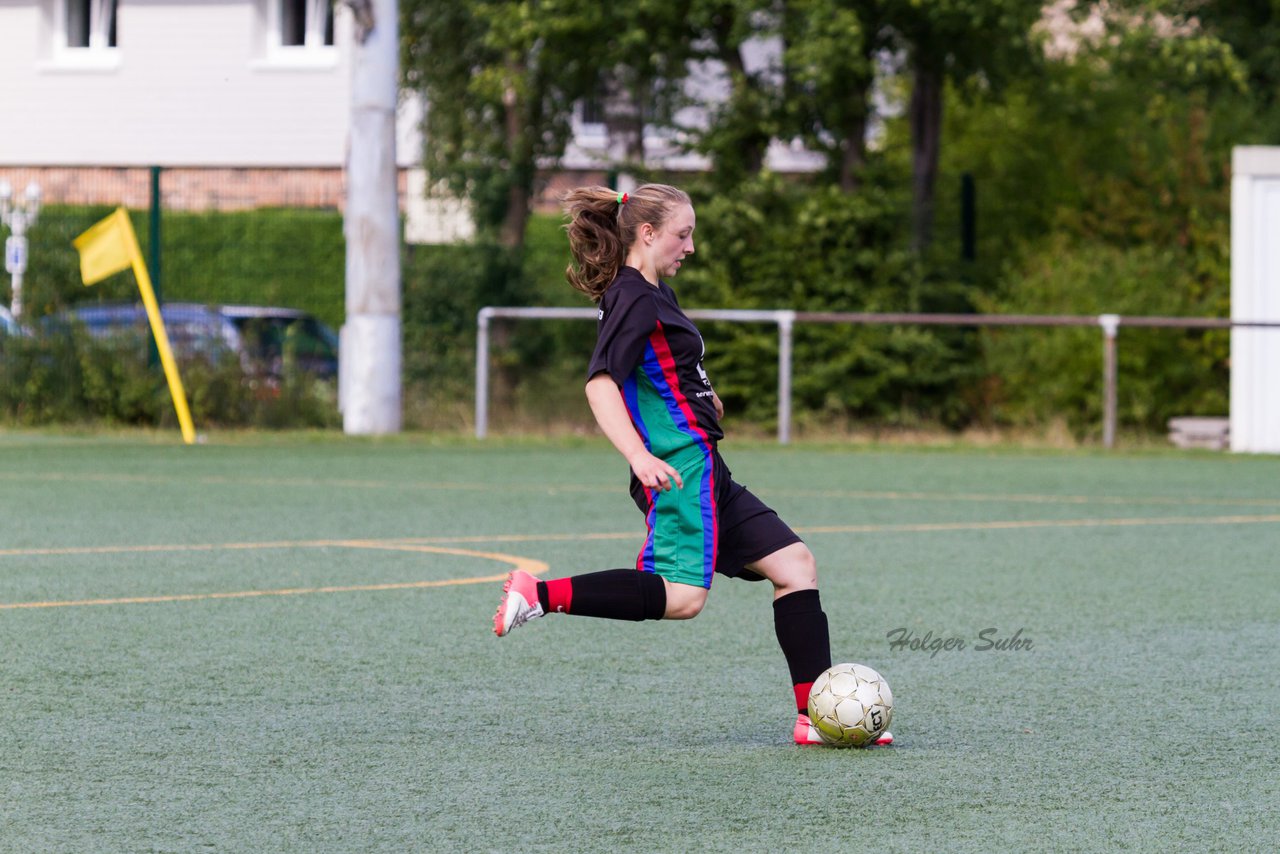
[[652, 399]]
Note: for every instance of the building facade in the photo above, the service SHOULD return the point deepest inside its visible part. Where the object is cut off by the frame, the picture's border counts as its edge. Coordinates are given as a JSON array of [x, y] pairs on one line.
[[244, 103]]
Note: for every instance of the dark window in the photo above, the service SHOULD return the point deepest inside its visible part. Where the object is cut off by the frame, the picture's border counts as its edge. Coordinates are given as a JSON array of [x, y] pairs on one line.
[[293, 23], [85, 18], [77, 23]]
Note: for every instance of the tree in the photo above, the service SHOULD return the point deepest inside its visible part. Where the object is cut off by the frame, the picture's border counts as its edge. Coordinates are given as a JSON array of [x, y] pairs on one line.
[[831, 48], [1250, 27], [1126, 139], [500, 78], [741, 126], [956, 40], [647, 46]]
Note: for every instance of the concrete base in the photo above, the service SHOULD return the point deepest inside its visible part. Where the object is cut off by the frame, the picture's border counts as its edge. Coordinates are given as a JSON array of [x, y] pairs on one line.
[[369, 375], [1192, 432]]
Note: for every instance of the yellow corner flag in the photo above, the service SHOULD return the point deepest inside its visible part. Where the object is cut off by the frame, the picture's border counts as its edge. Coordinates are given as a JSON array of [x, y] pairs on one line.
[[104, 248], [109, 247]]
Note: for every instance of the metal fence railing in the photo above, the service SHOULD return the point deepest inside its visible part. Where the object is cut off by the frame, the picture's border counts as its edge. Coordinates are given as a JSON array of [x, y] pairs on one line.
[[785, 320]]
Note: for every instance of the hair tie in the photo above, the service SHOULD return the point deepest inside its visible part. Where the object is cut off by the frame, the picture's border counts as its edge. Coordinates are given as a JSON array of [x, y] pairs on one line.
[[622, 198]]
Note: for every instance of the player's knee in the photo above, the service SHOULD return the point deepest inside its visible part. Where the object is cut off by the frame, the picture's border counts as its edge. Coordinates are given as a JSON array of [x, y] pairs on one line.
[[683, 611], [684, 602], [800, 571]]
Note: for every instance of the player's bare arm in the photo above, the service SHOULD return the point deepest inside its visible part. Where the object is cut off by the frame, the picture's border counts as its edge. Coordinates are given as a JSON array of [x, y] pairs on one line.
[[611, 414]]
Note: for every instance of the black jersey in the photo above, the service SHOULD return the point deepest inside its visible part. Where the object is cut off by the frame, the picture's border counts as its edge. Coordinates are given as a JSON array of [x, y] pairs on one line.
[[654, 353]]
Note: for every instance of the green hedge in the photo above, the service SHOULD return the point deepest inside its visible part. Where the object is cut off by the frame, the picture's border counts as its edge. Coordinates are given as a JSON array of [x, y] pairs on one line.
[[1056, 374], [537, 369], [782, 245], [286, 257]]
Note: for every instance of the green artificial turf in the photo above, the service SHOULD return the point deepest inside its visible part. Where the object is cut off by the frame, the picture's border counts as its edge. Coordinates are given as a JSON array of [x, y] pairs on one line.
[[214, 698]]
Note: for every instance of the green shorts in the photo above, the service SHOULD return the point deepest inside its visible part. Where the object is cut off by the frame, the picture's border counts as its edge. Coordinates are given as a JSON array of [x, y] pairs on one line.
[[710, 525]]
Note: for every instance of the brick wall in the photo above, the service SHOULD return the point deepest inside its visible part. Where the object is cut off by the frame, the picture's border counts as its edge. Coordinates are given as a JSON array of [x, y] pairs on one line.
[[187, 188], [554, 186], [206, 188]]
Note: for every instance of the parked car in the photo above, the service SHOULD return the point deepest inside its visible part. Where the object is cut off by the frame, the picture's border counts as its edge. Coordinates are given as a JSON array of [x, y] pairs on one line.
[[273, 336], [267, 340]]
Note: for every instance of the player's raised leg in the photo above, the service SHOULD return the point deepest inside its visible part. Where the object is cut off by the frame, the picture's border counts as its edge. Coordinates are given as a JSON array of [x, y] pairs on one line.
[[614, 594], [671, 576]]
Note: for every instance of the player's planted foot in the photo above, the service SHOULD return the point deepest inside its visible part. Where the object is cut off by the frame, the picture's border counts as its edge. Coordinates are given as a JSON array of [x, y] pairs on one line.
[[519, 603], [806, 733]]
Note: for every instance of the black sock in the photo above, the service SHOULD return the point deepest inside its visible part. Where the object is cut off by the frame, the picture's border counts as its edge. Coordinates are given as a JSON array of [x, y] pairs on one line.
[[614, 594], [802, 632]]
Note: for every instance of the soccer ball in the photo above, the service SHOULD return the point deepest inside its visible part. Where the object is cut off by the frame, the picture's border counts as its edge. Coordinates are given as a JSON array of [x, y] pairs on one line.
[[850, 705]]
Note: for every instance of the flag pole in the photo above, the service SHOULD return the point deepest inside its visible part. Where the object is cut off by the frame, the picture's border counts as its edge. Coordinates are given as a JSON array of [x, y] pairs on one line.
[[176, 390]]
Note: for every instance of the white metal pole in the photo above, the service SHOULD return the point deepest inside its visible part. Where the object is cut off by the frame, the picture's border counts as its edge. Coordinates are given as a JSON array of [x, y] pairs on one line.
[[785, 320], [1110, 324], [482, 372], [371, 360], [786, 323]]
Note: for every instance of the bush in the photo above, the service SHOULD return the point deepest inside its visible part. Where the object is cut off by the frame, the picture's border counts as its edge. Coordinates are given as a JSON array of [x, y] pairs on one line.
[[537, 369], [1101, 193], [67, 376], [1045, 375], [772, 244], [784, 245]]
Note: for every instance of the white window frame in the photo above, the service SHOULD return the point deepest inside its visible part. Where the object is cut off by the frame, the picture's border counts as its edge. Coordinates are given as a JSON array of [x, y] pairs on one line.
[[98, 54], [313, 52]]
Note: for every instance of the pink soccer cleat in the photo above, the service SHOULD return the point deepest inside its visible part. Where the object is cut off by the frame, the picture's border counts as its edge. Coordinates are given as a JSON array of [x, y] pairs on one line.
[[519, 603], [806, 733]]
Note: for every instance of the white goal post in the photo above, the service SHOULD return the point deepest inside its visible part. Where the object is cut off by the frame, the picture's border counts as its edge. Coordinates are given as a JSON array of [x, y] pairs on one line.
[[785, 320]]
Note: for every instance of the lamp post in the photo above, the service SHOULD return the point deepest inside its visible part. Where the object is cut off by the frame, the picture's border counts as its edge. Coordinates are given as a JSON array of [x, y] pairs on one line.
[[18, 214]]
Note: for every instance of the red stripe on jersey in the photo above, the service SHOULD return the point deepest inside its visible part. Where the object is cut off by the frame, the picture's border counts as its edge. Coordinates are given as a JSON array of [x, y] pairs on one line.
[[667, 362]]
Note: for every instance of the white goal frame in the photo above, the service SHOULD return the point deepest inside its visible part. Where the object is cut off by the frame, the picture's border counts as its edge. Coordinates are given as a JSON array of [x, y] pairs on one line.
[[786, 320]]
